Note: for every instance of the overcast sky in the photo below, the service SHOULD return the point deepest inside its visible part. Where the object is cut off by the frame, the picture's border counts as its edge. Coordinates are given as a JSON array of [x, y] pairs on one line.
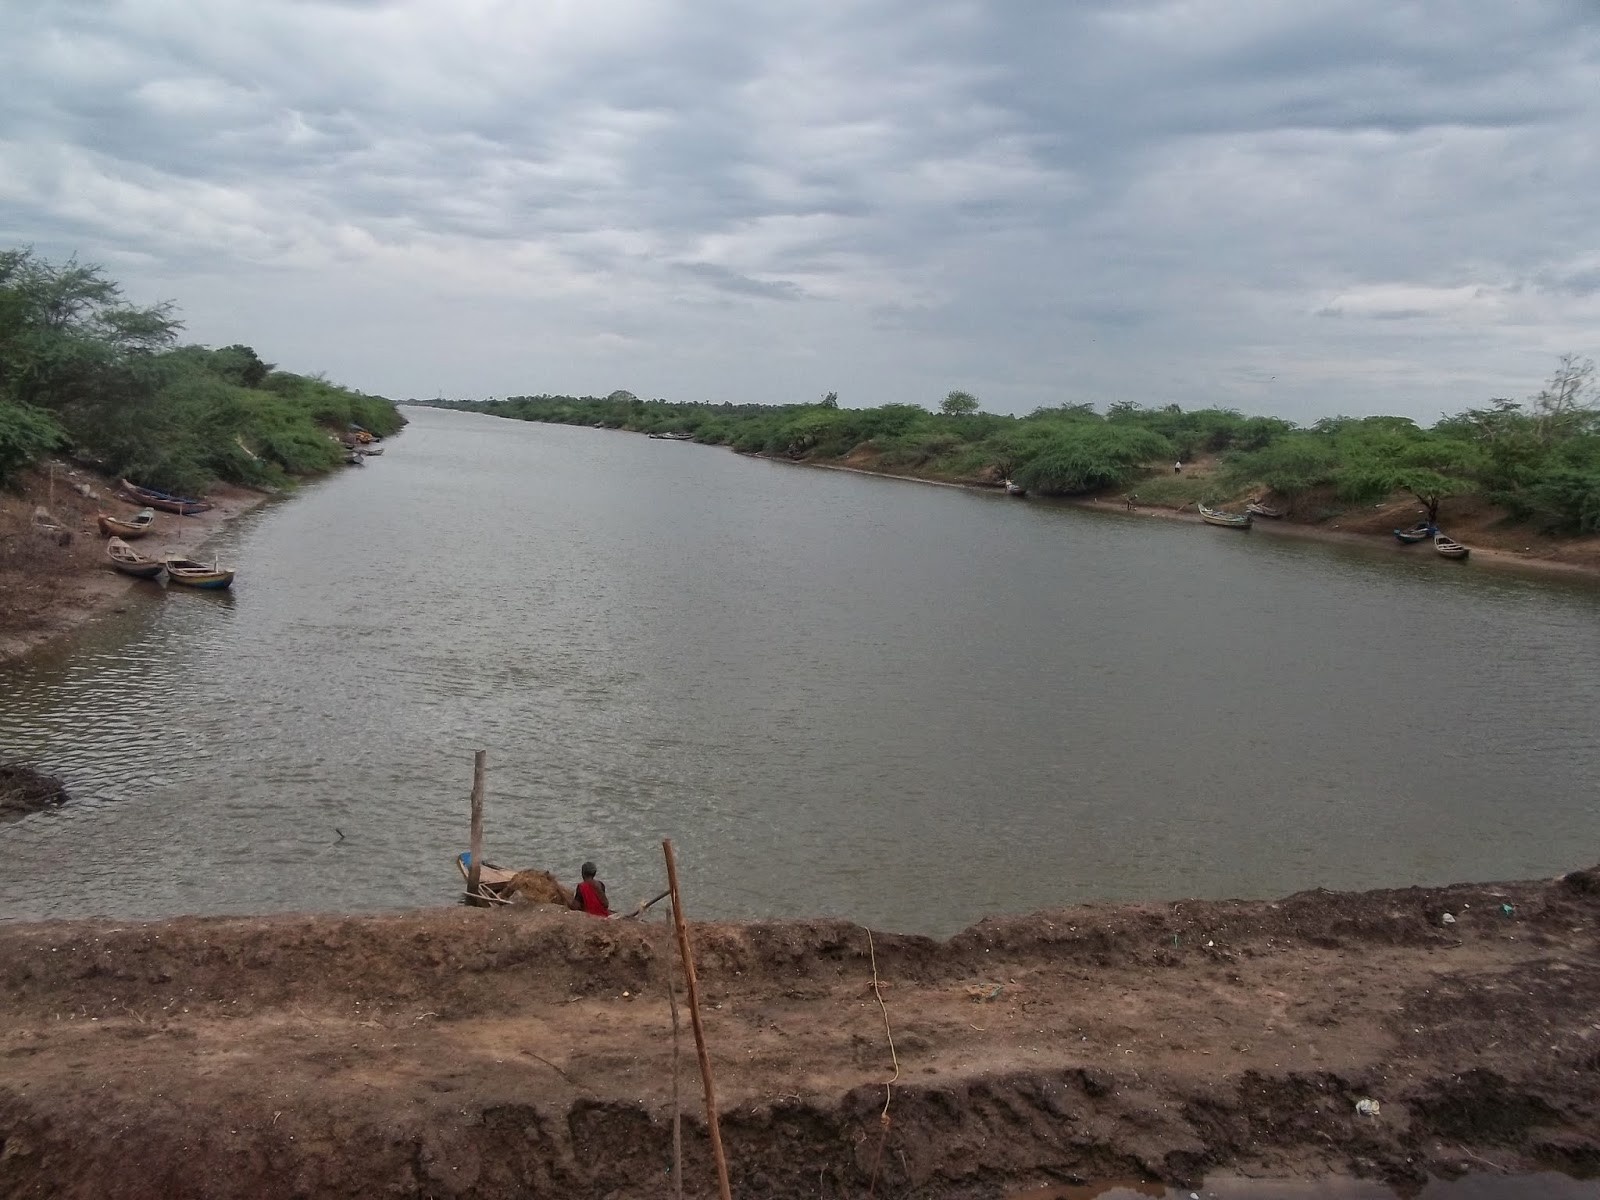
[[1286, 207]]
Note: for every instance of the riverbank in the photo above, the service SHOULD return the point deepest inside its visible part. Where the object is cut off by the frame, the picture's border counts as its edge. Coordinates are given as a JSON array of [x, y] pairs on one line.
[[1494, 540], [50, 585], [462, 1052]]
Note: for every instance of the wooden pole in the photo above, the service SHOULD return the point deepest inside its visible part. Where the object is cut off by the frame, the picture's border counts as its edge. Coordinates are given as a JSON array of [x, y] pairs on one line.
[[475, 864], [693, 988]]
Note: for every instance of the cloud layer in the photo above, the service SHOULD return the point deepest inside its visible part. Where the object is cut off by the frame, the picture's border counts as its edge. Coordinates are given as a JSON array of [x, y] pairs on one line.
[[1354, 206]]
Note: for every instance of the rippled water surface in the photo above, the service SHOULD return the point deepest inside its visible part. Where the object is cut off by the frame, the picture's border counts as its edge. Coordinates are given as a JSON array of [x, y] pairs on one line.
[[837, 693]]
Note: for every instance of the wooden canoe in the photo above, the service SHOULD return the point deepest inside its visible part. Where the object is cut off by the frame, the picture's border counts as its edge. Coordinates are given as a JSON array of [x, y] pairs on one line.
[[494, 883], [195, 574], [1449, 547], [126, 559], [182, 505], [133, 527], [1417, 533], [1212, 516], [1256, 509]]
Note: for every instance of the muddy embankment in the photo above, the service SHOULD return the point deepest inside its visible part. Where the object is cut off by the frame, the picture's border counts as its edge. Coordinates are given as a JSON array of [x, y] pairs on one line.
[[466, 1053], [50, 583]]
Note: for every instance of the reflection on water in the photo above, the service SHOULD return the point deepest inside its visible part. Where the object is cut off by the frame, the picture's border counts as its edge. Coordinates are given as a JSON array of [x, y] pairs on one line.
[[838, 694]]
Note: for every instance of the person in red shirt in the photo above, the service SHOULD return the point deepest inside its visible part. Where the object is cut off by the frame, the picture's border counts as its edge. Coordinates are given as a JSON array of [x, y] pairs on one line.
[[590, 895]]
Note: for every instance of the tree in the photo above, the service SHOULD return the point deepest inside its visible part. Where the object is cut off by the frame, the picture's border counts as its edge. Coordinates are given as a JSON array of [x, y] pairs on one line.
[[831, 400], [959, 404], [1569, 403], [1380, 455]]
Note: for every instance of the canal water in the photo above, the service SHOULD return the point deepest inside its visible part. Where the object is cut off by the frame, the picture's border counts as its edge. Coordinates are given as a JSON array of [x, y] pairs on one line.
[[838, 694]]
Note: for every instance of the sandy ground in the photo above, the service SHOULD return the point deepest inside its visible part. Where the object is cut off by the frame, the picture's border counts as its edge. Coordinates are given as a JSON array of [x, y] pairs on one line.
[[468, 1053], [48, 589]]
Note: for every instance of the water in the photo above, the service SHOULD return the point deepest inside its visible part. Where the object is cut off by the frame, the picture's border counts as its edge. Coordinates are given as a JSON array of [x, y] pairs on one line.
[[836, 693]]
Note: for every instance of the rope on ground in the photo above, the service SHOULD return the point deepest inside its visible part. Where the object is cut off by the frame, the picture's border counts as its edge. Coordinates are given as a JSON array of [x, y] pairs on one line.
[[888, 1087]]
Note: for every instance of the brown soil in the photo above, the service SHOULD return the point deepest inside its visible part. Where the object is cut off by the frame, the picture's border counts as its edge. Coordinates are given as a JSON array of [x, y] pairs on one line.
[[52, 584], [476, 1053]]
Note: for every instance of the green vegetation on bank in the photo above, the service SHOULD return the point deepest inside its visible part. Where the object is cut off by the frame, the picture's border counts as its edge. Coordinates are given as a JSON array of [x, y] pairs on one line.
[[83, 370], [1539, 460]]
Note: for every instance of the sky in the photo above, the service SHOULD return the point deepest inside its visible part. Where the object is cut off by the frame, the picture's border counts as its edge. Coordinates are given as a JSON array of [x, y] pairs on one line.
[[1302, 209]]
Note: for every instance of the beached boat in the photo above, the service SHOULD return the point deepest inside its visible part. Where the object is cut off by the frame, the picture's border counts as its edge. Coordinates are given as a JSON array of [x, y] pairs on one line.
[[196, 574], [672, 437], [1420, 532], [1015, 489], [1212, 516], [1449, 547], [133, 527], [494, 883], [1257, 509], [182, 505], [126, 559], [355, 458], [372, 451]]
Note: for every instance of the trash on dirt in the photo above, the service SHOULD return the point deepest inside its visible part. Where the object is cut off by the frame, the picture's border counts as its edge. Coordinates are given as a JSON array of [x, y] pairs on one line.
[[1367, 1106], [979, 993], [1447, 919], [1507, 909]]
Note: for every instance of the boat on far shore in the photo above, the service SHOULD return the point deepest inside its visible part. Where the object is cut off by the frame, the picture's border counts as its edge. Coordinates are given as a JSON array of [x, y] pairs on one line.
[[1420, 532], [1449, 547], [193, 574], [128, 528], [1214, 516], [1257, 509], [184, 506], [1014, 489], [126, 559], [672, 437]]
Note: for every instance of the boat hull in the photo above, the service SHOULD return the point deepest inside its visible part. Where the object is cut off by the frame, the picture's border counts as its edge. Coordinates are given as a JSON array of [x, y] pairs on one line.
[[126, 530], [184, 506], [124, 560], [187, 573], [1224, 520]]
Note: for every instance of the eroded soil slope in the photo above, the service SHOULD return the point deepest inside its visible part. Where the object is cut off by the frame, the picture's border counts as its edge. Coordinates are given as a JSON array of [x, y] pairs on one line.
[[464, 1053]]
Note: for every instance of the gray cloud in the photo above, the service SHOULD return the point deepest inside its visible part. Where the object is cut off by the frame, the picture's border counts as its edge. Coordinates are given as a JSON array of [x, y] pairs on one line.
[[1021, 199]]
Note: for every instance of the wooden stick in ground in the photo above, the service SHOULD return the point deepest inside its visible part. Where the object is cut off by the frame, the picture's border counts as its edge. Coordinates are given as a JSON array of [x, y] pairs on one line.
[[475, 864], [693, 989], [677, 1108]]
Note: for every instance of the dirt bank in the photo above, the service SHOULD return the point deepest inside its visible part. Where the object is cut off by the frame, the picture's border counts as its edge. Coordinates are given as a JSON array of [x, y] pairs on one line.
[[467, 1053], [52, 584], [1495, 540]]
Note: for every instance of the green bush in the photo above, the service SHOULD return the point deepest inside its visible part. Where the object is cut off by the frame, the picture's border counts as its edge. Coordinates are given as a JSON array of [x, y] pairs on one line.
[[26, 434]]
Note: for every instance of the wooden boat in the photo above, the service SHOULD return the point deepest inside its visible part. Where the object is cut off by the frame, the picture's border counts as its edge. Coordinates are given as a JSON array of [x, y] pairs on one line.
[[126, 559], [1256, 509], [182, 505], [196, 575], [672, 437], [1015, 489], [372, 451], [1212, 516], [1449, 547], [135, 526], [494, 883], [1420, 532]]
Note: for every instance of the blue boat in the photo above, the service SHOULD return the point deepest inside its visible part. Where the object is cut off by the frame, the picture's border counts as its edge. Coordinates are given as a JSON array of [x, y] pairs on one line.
[[1420, 532]]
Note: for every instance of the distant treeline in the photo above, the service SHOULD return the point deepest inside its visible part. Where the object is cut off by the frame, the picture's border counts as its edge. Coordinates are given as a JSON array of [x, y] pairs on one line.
[[84, 371], [1539, 460]]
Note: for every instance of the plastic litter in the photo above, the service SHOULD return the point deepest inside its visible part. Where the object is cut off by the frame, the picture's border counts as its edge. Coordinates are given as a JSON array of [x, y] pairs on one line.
[[1507, 909], [1448, 919], [1367, 1106]]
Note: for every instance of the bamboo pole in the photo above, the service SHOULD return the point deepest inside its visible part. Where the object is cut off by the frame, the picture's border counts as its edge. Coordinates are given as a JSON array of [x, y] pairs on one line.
[[475, 864], [693, 988]]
